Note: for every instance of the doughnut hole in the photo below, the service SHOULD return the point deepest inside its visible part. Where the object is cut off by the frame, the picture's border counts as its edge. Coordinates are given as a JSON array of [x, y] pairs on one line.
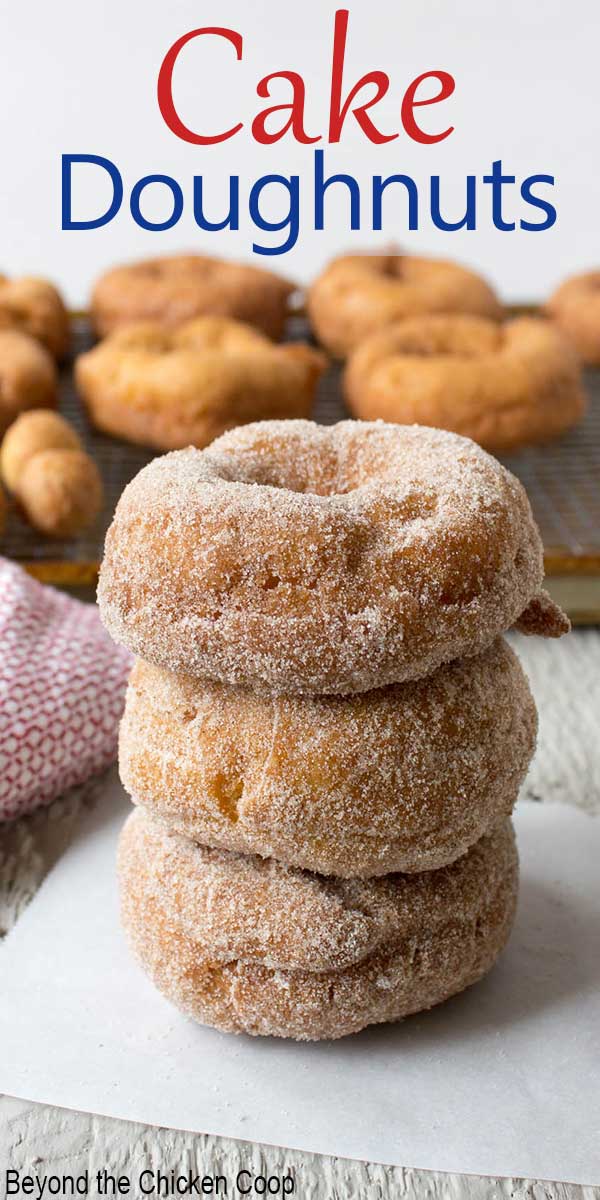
[[61, 492], [33, 431], [280, 461], [28, 377]]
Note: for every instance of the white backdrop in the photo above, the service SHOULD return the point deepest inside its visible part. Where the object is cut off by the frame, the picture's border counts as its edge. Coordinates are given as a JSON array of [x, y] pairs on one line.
[[80, 78]]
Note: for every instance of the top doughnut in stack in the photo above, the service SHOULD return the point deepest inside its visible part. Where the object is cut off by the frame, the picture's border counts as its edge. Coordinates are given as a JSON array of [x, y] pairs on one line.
[[325, 733]]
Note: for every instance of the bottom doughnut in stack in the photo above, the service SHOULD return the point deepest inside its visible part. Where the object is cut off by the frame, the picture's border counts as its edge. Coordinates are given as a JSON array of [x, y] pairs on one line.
[[249, 945]]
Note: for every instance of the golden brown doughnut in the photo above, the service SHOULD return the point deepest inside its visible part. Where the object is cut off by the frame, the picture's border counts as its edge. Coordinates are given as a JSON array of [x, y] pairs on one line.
[[505, 386], [3, 511], [404, 778], [575, 306], [38, 429], [176, 289], [292, 557], [60, 491], [359, 294], [252, 946], [35, 307], [169, 389], [28, 376]]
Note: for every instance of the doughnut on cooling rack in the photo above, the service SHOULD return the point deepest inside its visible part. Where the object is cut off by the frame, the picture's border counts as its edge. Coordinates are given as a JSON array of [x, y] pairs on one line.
[[561, 480]]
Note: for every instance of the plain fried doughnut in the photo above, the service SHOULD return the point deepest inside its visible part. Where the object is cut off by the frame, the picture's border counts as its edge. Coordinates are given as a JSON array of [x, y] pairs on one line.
[[251, 946], [35, 307], [292, 557], [172, 290], [28, 376], [505, 386], [404, 778], [168, 389], [575, 306], [358, 294]]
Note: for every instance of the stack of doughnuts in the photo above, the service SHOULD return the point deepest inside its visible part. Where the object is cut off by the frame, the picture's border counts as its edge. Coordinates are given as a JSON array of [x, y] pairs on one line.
[[325, 731]]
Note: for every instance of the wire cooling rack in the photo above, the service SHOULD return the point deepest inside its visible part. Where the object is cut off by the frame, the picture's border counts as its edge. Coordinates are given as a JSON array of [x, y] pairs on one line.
[[562, 480]]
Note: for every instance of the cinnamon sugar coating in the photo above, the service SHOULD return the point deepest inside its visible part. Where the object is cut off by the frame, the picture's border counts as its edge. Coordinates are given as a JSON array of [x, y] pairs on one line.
[[404, 778], [34, 306], [359, 294], [174, 289], [294, 558], [173, 388], [257, 947], [504, 385]]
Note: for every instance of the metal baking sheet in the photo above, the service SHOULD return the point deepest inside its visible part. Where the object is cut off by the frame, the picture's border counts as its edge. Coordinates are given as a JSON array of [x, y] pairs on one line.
[[561, 478]]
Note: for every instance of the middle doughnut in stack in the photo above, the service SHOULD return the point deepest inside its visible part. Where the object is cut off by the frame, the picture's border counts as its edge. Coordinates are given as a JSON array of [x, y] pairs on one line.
[[325, 698], [403, 778]]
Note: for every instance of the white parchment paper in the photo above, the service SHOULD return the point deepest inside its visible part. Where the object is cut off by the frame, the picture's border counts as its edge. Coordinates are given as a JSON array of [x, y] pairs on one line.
[[503, 1080]]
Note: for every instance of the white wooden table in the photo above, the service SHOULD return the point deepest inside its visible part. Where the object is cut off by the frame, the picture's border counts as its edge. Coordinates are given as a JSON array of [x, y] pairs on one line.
[[44, 1140]]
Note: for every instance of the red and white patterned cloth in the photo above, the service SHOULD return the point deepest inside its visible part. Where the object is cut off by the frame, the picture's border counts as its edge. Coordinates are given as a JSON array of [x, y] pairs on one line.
[[62, 687]]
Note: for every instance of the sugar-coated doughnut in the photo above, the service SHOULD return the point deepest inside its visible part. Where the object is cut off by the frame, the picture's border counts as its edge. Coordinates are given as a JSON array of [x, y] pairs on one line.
[[575, 307], [292, 557], [28, 376], [35, 307], [60, 491], [504, 385], [251, 946], [403, 778], [173, 388], [359, 294], [174, 289], [38, 429]]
